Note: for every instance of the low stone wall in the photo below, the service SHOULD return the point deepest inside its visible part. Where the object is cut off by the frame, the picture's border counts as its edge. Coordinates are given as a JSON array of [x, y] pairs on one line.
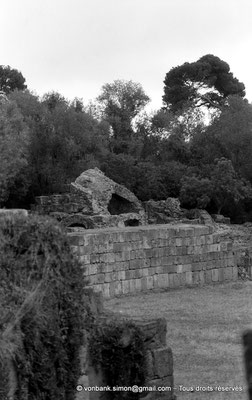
[[129, 260]]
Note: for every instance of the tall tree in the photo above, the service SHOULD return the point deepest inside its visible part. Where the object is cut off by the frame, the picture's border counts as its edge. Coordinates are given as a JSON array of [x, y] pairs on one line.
[[14, 140], [11, 79], [207, 81], [229, 136], [122, 101], [226, 184]]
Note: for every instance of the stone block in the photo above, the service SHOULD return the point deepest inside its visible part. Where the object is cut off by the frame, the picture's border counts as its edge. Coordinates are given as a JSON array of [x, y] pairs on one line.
[[155, 281], [125, 287], [223, 246], [191, 250], [196, 266], [140, 253], [95, 258], [202, 277], [229, 246], [184, 268], [149, 365], [189, 231], [99, 278], [136, 264], [107, 267], [201, 230], [176, 280], [108, 277], [109, 258], [138, 273], [144, 283], [216, 238], [170, 269], [150, 282], [130, 274], [182, 278], [195, 277], [145, 272], [138, 284], [189, 279], [215, 275], [159, 270], [75, 240], [173, 251], [132, 255], [155, 262], [165, 390], [132, 285], [116, 288], [178, 242], [209, 239], [105, 290], [146, 243], [97, 288], [120, 247], [93, 269], [119, 257], [235, 273], [228, 273], [85, 259], [151, 271], [163, 281], [136, 245], [163, 362]]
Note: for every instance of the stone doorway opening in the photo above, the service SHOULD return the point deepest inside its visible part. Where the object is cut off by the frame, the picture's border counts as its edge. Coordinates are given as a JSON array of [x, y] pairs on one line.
[[119, 205]]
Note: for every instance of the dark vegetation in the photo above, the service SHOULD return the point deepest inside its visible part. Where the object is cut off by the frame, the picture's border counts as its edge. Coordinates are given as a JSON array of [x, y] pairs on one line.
[[198, 147], [118, 349], [42, 311]]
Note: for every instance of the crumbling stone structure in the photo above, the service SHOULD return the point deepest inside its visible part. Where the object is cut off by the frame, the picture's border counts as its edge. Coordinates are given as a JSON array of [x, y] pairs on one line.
[[159, 372], [93, 201], [134, 259], [163, 211]]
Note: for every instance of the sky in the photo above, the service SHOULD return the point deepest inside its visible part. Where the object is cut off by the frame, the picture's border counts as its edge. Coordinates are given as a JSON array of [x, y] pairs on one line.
[[74, 47]]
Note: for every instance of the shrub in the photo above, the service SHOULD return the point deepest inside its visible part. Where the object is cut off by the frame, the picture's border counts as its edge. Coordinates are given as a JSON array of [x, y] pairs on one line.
[[42, 309]]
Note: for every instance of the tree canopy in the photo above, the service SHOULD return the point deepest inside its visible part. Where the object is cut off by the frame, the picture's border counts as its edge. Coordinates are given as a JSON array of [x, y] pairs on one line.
[[11, 79], [207, 81], [46, 142], [121, 102]]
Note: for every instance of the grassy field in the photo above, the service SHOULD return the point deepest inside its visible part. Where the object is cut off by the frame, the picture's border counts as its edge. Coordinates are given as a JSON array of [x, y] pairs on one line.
[[204, 330]]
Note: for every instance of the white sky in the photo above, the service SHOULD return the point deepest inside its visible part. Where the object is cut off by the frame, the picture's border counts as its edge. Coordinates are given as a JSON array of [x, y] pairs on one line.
[[76, 46]]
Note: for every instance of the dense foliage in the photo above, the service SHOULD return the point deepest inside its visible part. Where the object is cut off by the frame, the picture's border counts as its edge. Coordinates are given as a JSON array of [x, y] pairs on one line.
[[47, 142], [207, 81], [42, 310], [11, 79], [117, 349]]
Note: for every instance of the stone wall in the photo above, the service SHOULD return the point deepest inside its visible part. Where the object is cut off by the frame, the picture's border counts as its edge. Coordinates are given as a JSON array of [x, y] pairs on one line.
[[134, 259]]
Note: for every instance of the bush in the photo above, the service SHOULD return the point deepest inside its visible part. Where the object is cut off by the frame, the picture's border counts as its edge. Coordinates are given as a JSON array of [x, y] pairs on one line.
[[42, 309]]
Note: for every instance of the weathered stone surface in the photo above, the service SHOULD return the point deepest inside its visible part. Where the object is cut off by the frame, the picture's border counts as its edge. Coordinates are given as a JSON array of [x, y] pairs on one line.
[[221, 219], [163, 362], [13, 212], [201, 216], [163, 211], [105, 195], [153, 257]]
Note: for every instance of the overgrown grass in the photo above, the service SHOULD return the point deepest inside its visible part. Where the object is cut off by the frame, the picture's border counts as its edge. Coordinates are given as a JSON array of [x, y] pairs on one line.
[[204, 330]]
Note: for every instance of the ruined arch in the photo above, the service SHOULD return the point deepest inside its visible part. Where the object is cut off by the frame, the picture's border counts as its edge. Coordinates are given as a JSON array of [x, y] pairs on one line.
[[78, 220]]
